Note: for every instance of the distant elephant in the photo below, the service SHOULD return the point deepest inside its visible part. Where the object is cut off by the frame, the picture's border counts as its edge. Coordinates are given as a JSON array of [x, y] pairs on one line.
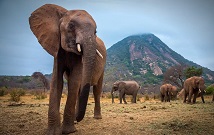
[[125, 88], [165, 92], [70, 37], [173, 91], [192, 86]]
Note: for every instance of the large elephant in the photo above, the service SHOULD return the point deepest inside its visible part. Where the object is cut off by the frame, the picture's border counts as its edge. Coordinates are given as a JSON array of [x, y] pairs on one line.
[[192, 86], [125, 88], [70, 37]]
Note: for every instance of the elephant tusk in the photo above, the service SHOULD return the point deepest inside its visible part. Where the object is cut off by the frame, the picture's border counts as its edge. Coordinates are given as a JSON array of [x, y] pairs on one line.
[[199, 90], [78, 47], [98, 52]]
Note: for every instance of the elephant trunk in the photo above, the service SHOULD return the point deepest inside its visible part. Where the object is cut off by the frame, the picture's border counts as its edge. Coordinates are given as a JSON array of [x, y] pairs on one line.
[[89, 55]]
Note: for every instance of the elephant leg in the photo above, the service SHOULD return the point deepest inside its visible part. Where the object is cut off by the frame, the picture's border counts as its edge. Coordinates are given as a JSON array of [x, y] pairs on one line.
[[202, 97], [54, 100], [124, 99], [190, 96], [194, 97], [74, 80], [185, 97], [134, 98], [121, 93], [162, 97], [169, 98], [97, 93], [165, 98], [69, 112]]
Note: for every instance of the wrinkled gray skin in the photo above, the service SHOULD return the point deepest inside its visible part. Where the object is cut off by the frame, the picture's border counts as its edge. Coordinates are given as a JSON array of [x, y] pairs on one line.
[[70, 37], [125, 88], [191, 88]]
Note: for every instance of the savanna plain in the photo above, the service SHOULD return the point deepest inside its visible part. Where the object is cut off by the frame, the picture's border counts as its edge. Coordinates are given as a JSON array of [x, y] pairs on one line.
[[146, 117]]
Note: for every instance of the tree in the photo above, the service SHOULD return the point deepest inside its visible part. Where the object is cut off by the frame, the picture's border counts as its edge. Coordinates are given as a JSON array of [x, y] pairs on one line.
[[210, 89], [42, 78], [193, 71], [175, 75]]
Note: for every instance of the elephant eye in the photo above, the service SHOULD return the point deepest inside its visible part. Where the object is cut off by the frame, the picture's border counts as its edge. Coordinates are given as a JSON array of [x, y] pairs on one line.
[[71, 26]]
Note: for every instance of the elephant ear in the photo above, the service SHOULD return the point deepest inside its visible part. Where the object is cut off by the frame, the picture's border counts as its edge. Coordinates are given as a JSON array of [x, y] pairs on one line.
[[44, 23]]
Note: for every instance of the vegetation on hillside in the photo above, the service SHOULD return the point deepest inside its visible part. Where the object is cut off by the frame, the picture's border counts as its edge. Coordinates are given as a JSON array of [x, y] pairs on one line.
[[193, 71]]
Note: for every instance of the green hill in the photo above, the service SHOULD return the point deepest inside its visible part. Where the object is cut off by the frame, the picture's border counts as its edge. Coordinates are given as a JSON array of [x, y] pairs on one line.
[[143, 58]]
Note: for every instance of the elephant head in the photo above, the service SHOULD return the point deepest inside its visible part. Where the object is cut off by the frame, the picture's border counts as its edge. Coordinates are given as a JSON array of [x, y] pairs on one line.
[[116, 87], [199, 84], [73, 31]]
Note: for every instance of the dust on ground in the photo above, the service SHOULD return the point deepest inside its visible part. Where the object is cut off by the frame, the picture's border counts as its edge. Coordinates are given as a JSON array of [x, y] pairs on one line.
[[146, 117]]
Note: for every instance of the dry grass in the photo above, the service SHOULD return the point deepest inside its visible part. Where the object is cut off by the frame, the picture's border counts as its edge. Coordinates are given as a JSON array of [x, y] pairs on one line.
[[148, 117]]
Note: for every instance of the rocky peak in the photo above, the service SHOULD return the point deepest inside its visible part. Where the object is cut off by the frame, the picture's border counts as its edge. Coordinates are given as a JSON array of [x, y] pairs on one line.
[[142, 57]]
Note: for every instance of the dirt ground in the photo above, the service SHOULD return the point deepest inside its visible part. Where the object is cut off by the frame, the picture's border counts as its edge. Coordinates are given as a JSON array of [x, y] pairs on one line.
[[149, 117]]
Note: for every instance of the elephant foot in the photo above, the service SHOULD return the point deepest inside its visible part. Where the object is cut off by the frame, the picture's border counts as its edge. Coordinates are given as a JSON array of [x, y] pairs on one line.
[[125, 103], [98, 116], [54, 131], [97, 113], [66, 129]]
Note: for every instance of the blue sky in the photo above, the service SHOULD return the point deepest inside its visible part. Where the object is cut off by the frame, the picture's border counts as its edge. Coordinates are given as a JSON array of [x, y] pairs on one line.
[[186, 26]]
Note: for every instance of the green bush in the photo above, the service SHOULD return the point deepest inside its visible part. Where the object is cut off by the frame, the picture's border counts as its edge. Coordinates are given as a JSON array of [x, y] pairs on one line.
[[40, 95], [15, 95], [21, 91], [3, 91], [209, 90]]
